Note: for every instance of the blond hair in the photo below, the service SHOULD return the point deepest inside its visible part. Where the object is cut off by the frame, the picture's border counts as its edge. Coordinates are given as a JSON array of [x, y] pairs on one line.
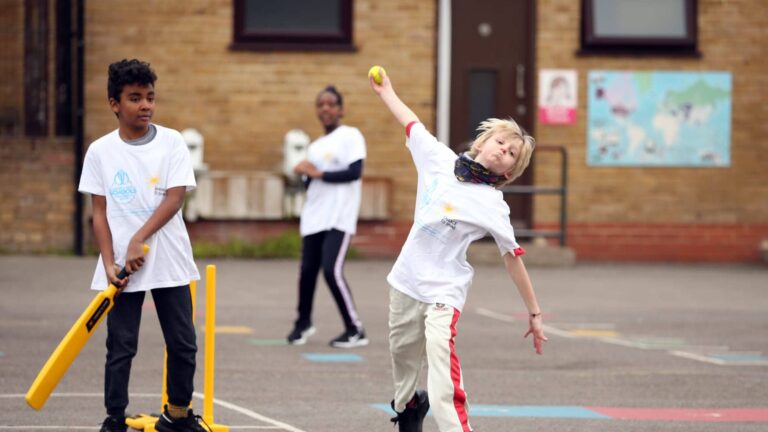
[[509, 129]]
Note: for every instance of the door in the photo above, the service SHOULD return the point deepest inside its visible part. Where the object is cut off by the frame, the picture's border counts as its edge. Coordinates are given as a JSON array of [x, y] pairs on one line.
[[492, 76]]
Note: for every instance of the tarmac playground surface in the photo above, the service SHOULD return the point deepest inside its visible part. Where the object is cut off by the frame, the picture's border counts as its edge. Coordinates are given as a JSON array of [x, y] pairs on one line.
[[632, 347]]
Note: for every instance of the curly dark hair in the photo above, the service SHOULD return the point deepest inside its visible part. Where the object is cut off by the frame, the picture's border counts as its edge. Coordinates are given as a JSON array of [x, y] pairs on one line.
[[125, 72], [332, 90]]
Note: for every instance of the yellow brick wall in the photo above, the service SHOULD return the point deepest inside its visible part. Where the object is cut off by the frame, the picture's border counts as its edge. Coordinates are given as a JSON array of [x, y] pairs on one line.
[[36, 191], [244, 102], [732, 37]]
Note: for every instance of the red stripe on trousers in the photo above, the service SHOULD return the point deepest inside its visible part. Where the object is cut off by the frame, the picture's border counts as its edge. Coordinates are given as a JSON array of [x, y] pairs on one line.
[[459, 397]]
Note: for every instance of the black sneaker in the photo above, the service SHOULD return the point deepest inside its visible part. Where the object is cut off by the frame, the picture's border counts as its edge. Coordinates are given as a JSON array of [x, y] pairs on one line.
[[350, 339], [114, 424], [190, 423], [300, 334], [411, 419]]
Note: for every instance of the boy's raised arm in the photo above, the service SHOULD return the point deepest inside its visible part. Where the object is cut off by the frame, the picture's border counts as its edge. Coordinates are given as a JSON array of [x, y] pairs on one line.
[[402, 113]]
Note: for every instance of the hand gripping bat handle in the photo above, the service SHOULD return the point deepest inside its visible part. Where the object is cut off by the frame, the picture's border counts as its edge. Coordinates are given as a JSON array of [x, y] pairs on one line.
[[123, 273]]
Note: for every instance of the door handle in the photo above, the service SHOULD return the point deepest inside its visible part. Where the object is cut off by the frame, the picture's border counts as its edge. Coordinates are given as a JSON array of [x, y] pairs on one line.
[[520, 88]]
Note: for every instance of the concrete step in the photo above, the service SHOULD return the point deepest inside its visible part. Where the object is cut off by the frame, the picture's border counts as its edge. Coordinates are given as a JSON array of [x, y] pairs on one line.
[[537, 254]]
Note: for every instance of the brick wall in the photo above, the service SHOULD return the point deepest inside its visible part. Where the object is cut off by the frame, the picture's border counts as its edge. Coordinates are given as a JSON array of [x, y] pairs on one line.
[[36, 189], [36, 174], [639, 205], [245, 102]]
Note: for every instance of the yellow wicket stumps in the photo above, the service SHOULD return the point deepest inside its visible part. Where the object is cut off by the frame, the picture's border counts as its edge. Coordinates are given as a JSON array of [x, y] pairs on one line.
[[147, 423]]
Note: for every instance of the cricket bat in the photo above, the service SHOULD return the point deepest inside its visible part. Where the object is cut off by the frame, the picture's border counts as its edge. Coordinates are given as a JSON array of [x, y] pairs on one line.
[[69, 347]]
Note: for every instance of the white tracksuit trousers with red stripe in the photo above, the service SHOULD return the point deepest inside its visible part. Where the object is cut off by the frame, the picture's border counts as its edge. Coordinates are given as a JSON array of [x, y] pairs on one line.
[[416, 329]]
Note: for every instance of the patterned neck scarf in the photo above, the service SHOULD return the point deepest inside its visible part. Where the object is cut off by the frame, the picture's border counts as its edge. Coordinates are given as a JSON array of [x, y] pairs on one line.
[[467, 170]]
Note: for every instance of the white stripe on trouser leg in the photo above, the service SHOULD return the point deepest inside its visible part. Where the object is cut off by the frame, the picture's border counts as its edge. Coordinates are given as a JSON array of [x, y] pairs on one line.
[[445, 382], [338, 268], [406, 344]]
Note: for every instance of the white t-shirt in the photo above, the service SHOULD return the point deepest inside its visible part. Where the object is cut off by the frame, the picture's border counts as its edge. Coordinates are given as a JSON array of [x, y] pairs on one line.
[[134, 180], [449, 215], [333, 205]]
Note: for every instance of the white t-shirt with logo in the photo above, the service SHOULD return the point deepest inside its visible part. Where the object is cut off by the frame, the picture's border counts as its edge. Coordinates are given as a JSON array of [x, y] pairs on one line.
[[134, 180], [449, 215], [333, 205]]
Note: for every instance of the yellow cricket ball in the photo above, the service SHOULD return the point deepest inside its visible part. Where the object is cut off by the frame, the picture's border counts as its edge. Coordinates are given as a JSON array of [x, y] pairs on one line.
[[377, 72]]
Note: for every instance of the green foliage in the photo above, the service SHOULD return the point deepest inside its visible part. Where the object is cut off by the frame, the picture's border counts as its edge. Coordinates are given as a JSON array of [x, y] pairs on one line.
[[287, 245]]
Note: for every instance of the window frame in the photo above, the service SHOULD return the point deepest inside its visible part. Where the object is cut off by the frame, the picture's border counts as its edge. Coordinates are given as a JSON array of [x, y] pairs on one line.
[[287, 41], [595, 44]]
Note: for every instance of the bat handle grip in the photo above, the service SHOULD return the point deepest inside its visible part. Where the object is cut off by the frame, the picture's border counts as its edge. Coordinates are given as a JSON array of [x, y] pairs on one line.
[[124, 273]]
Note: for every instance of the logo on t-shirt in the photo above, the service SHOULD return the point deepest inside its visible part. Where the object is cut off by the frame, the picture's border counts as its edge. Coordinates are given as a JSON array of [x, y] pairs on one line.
[[122, 190], [448, 209], [154, 180], [449, 222]]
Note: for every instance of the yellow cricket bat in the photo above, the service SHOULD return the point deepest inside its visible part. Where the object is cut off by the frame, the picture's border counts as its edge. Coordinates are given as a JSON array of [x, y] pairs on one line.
[[70, 346]]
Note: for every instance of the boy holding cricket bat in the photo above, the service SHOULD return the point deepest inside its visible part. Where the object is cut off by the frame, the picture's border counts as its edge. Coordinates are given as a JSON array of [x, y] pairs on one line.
[[137, 176]]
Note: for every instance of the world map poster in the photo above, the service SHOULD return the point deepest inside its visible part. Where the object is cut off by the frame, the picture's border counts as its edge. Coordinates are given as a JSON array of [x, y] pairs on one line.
[[651, 118]]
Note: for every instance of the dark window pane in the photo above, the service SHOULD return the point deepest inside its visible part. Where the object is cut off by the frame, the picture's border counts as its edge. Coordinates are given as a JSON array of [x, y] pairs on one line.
[[482, 99], [633, 18], [293, 16], [64, 84], [639, 26], [293, 24]]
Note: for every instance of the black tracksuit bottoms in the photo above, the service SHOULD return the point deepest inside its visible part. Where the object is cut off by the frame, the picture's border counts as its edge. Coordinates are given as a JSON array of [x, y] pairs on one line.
[[326, 249], [174, 311]]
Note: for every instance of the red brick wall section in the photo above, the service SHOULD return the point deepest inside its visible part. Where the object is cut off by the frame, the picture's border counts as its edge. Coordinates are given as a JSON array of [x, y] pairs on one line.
[[666, 242], [591, 242]]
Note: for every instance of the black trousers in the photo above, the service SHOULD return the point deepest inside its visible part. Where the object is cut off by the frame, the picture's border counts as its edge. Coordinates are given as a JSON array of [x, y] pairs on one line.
[[174, 310], [326, 249]]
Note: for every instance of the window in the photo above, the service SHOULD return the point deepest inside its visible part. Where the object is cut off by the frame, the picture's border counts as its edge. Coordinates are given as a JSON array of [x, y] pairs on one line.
[[652, 26], [293, 24]]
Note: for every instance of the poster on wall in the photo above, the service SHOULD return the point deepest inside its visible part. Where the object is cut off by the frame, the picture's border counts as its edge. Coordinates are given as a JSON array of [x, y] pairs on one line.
[[557, 96], [654, 118]]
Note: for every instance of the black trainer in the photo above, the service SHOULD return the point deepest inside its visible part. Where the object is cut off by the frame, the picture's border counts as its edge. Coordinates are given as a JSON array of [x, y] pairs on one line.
[[412, 418], [350, 339], [114, 424], [300, 334], [190, 423]]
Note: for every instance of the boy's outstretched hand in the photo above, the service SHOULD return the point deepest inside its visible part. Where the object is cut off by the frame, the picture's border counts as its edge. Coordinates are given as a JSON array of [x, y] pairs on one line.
[[535, 327], [386, 84]]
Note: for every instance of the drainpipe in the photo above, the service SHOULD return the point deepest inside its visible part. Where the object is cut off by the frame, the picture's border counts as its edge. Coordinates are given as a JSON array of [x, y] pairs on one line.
[[79, 122]]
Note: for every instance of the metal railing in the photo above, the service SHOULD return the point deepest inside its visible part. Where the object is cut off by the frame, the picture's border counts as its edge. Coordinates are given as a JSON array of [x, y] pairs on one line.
[[533, 190]]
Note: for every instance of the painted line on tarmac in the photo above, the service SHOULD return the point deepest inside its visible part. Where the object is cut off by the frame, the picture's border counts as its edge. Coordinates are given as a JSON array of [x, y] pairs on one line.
[[706, 415], [49, 427], [725, 359], [339, 358], [251, 414], [476, 410], [242, 330], [274, 424], [22, 395], [713, 354], [268, 342], [508, 318], [97, 428], [700, 415]]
